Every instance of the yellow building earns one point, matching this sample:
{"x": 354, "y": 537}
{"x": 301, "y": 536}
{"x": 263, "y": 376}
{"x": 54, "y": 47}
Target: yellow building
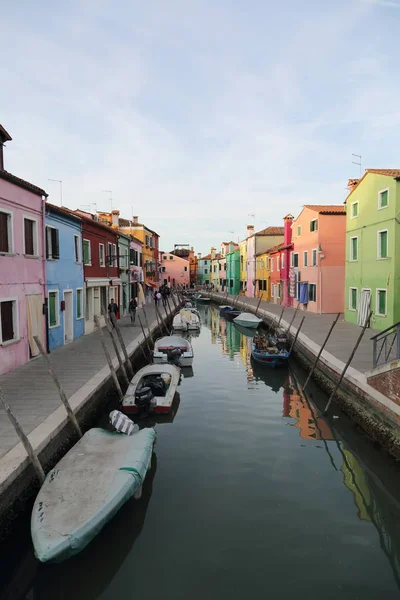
{"x": 243, "y": 266}
{"x": 262, "y": 289}
{"x": 215, "y": 270}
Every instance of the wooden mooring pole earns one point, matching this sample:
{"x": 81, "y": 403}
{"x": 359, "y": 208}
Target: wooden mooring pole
{"x": 112, "y": 333}
{"x": 293, "y": 318}
{"x": 259, "y": 300}
{"x": 321, "y": 350}
{"x": 144, "y": 334}
{"x": 58, "y": 385}
{"x": 297, "y": 334}
{"x": 280, "y": 318}
{"x": 348, "y": 363}
{"x": 108, "y": 356}
{"x": 123, "y": 345}
{"x": 24, "y": 439}
{"x": 147, "y": 323}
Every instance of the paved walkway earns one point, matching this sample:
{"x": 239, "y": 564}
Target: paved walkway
{"x": 316, "y": 327}
{"x": 31, "y": 392}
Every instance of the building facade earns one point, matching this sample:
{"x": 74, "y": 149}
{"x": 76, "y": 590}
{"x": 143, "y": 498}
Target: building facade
{"x": 203, "y": 269}
{"x": 233, "y": 271}
{"x": 175, "y": 271}
{"x": 22, "y": 267}
{"x": 135, "y": 263}
{"x": 124, "y": 242}
{"x": 257, "y": 243}
{"x": 215, "y": 269}
{"x": 318, "y": 258}
{"x": 372, "y": 274}
{"x": 262, "y": 276}
{"x": 243, "y": 266}
{"x": 64, "y": 277}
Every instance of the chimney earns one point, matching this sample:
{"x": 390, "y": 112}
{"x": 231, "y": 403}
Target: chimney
{"x": 114, "y": 217}
{"x": 4, "y": 137}
{"x": 250, "y": 230}
{"x": 351, "y": 184}
{"x": 135, "y": 220}
{"x": 199, "y": 255}
{"x": 287, "y": 229}
{"x": 212, "y": 253}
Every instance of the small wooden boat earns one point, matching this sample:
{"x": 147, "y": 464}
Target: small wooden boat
{"x": 270, "y": 357}
{"x": 86, "y": 489}
{"x": 230, "y": 315}
{"x": 175, "y": 349}
{"x": 247, "y": 320}
{"x": 187, "y": 319}
{"x": 225, "y": 309}
{"x": 152, "y": 389}
{"x": 246, "y": 331}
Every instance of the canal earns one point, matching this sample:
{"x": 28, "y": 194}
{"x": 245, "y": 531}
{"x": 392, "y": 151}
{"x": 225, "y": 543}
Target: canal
{"x": 252, "y": 494}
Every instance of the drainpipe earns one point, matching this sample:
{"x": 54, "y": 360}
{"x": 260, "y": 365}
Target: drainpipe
{"x": 45, "y": 300}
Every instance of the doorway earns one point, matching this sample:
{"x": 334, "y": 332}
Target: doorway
{"x": 68, "y": 317}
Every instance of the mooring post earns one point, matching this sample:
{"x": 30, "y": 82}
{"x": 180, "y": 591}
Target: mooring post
{"x": 236, "y": 300}
{"x": 297, "y": 334}
{"x": 147, "y": 323}
{"x": 348, "y": 362}
{"x": 173, "y": 300}
{"x": 123, "y": 345}
{"x": 108, "y": 356}
{"x": 58, "y": 385}
{"x": 111, "y": 331}
{"x": 293, "y": 318}
{"x": 321, "y": 350}
{"x": 144, "y": 334}
{"x": 169, "y": 307}
{"x": 280, "y": 318}
{"x": 259, "y": 300}
{"x": 162, "y": 322}
{"x": 24, "y": 439}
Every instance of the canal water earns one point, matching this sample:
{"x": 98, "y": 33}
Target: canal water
{"x": 252, "y": 494}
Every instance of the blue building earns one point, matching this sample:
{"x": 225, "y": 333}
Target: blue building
{"x": 64, "y": 277}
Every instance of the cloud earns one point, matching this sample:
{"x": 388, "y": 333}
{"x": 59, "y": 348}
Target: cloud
{"x": 385, "y": 3}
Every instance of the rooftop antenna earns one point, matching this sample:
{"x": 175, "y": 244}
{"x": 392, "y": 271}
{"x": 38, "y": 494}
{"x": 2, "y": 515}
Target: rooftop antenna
{"x": 61, "y": 189}
{"x": 89, "y": 206}
{"x": 357, "y": 162}
{"x": 109, "y": 192}
{"x": 253, "y": 216}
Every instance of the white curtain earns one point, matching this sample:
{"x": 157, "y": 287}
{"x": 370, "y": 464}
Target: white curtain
{"x": 34, "y": 308}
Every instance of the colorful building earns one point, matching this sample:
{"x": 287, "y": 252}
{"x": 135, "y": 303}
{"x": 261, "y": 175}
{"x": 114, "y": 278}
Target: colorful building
{"x": 64, "y": 277}
{"x": 22, "y": 267}
{"x": 243, "y": 266}
{"x": 135, "y": 264}
{"x": 256, "y": 243}
{"x": 233, "y": 271}
{"x": 372, "y": 274}
{"x": 215, "y": 270}
{"x": 203, "y": 269}
{"x": 262, "y": 276}
{"x": 193, "y": 266}
{"x": 318, "y": 258}
{"x": 175, "y": 271}
{"x": 279, "y": 267}
{"x": 124, "y": 242}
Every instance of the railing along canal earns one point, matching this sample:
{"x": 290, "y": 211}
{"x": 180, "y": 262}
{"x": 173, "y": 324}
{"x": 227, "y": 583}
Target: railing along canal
{"x": 386, "y": 345}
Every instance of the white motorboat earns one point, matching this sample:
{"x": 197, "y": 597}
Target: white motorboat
{"x": 187, "y": 319}
{"x": 174, "y": 349}
{"x": 152, "y": 389}
{"x": 247, "y": 320}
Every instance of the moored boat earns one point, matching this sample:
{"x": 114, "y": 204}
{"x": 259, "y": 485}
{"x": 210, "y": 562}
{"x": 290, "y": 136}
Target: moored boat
{"x": 247, "y": 320}
{"x": 187, "y": 319}
{"x": 230, "y": 315}
{"x": 86, "y": 489}
{"x": 173, "y": 349}
{"x": 270, "y": 356}
{"x": 202, "y": 299}
{"x": 152, "y": 389}
{"x": 246, "y": 331}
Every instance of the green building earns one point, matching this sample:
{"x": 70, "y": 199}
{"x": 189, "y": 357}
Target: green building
{"x": 124, "y": 271}
{"x": 233, "y": 271}
{"x": 373, "y": 248}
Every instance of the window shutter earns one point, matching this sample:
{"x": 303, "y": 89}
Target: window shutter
{"x": 4, "y": 241}
{"x": 384, "y": 244}
{"x": 55, "y": 250}
{"x": 47, "y": 241}
{"x": 28, "y": 230}
{"x": 7, "y": 325}
{"x": 52, "y": 310}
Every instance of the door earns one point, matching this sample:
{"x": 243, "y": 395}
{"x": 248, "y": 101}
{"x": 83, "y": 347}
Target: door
{"x": 364, "y": 307}
{"x": 68, "y": 316}
{"x": 34, "y": 308}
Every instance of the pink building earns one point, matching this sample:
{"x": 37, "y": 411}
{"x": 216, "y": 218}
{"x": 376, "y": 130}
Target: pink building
{"x": 259, "y": 242}
{"x": 279, "y": 264}
{"x": 174, "y": 270}
{"x": 318, "y": 258}
{"x": 22, "y": 267}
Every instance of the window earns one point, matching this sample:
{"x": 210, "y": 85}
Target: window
{"x": 282, "y": 261}
{"x": 52, "y": 243}
{"x": 109, "y": 254}
{"x": 354, "y": 210}
{"x": 383, "y": 243}
{"x": 164, "y": 257}
{"x": 87, "y": 255}
{"x": 298, "y": 230}
{"x": 147, "y": 240}
{"x": 205, "y": 271}
{"x": 115, "y": 256}
{"x": 79, "y": 303}
{"x": 185, "y": 268}
{"x": 381, "y": 301}
{"x": 353, "y": 298}
{"x": 205, "y": 262}
{"x": 314, "y": 225}
{"x": 30, "y": 237}
{"x": 354, "y": 249}
{"x": 77, "y": 248}
{"x": 163, "y": 269}
{"x": 8, "y": 320}
{"x": 312, "y": 292}
{"x": 6, "y": 241}
{"x": 278, "y": 263}
{"x": 172, "y": 258}
{"x": 383, "y": 199}
{"x": 295, "y": 260}
{"x": 314, "y": 258}
{"x": 121, "y": 255}
{"x": 272, "y": 265}
{"x": 151, "y": 242}
{"x": 54, "y": 316}
{"x": 102, "y": 260}
{"x": 305, "y": 258}
{"x": 291, "y": 259}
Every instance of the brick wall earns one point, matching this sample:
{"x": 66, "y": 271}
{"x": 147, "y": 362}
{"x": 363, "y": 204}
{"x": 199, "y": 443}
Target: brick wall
{"x": 387, "y": 383}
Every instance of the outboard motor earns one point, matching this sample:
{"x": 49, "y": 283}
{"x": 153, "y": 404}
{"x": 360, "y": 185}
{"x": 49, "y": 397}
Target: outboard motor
{"x": 174, "y": 356}
{"x": 156, "y": 384}
{"x": 143, "y": 400}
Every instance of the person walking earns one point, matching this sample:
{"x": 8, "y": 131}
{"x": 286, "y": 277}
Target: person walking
{"x": 156, "y": 298}
{"x": 112, "y": 310}
{"x": 132, "y": 309}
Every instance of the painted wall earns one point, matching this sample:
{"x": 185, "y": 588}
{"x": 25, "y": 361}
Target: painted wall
{"x": 64, "y": 274}
{"x": 262, "y": 274}
{"x": 215, "y": 273}
{"x": 251, "y": 266}
{"x": 369, "y": 271}
{"x": 124, "y": 273}
{"x": 204, "y": 268}
{"x": 21, "y": 276}
{"x": 243, "y": 265}
{"x": 150, "y": 250}
{"x": 174, "y": 269}
{"x": 136, "y": 274}
{"x": 233, "y": 271}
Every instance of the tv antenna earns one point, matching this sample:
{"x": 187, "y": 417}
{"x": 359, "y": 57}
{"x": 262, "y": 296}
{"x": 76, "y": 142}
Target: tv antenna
{"x": 358, "y": 163}
{"x": 109, "y": 192}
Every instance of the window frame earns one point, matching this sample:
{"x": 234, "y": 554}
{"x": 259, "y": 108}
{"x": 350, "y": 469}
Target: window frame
{"x": 315, "y": 228}
{"x": 49, "y": 243}
{"x": 305, "y": 258}
{"x": 282, "y": 261}
{"x": 291, "y": 259}
{"x": 16, "y": 337}
{"x": 102, "y": 263}
{"x": 380, "y": 207}
{"x": 299, "y": 230}
{"x": 314, "y": 252}
{"x": 353, "y": 216}
{"x": 378, "y": 314}
{"x": 278, "y": 263}
{"x": 309, "y": 295}
{"x": 351, "y": 257}
{"x": 10, "y": 229}
{"x": 350, "y": 306}
{"x": 35, "y": 236}
{"x": 88, "y": 264}
{"x": 57, "y": 304}
{"x": 115, "y": 256}
{"x": 379, "y": 247}
{"x": 83, "y": 304}
{"x": 272, "y": 264}
{"x": 77, "y": 248}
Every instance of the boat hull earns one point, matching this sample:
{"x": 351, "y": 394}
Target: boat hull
{"x": 184, "y": 361}
{"x": 247, "y": 324}
{"x": 272, "y": 361}
{"x": 163, "y": 403}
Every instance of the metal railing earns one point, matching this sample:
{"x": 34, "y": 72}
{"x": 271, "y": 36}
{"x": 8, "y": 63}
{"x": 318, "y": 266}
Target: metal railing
{"x": 386, "y": 345}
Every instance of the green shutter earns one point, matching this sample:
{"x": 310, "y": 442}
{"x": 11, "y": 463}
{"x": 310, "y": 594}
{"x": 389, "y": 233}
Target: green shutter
{"x": 354, "y": 299}
{"x": 79, "y": 303}
{"x": 383, "y": 244}
{"x": 384, "y": 199}
{"x": 86, "y": 254}
{"x": 354, "y": 249}
{"x": 52, "y": 309}
{"x": 382, "y": 302}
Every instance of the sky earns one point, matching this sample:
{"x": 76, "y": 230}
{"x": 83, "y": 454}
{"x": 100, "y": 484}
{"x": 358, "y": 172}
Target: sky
{"x": 200, "y": 116}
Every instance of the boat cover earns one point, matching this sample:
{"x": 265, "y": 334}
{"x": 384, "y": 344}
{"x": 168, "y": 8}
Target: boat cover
{"x": 85, "y": 490}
